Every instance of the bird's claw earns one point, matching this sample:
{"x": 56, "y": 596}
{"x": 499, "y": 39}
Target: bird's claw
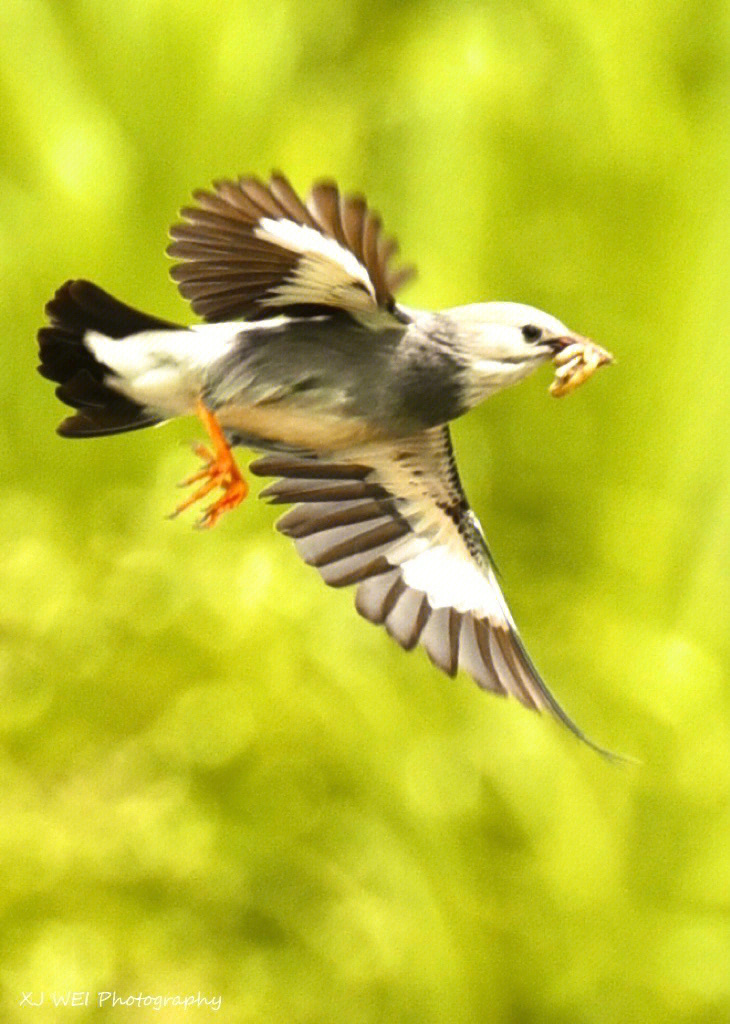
{"x": 219, "y": 470}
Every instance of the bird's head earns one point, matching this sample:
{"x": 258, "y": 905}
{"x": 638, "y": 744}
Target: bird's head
{"x": 502, "y": 342}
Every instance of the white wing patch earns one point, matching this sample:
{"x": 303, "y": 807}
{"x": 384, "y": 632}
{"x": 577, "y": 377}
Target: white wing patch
{"x": 327, "y": 272}
{"x": 448, "y": 581}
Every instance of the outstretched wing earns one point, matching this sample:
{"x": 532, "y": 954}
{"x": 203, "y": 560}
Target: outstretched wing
{"x": 253, "y": 250}
{"x": 393, "y": 518}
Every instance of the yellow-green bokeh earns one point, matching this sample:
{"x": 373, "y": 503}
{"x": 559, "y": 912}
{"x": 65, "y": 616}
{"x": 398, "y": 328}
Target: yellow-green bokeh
{"x": 214, "y": 776}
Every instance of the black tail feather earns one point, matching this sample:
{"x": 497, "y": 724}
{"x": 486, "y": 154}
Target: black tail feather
{"x": 78, "y": 307}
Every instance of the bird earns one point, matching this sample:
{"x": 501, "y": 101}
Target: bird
{"x": 345, "y": 395}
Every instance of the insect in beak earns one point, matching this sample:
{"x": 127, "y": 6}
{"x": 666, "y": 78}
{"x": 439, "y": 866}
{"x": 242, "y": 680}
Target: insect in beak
{"x": 576, "y": 359}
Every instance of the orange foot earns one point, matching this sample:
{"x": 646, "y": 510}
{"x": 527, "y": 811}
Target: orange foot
{"x": 220, "y": 470}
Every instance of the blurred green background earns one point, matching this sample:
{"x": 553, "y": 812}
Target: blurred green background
{"x": 215, "y": 776}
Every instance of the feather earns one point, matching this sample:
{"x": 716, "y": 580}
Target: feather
{"x": 328, "y": 252}
{"x": 392, "y": 518}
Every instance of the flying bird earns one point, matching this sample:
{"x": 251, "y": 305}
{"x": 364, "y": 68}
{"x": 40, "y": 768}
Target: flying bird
{"x": 305, "y": 356}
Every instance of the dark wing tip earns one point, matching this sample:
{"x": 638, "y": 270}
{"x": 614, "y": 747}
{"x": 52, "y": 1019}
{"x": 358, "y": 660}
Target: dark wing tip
{"x": 549, "y": 703}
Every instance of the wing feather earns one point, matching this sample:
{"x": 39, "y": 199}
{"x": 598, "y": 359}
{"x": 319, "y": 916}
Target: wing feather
{"x": 392, "y": 518}
{"x": 407, "y": 618}
{"x": 289, "y": 201}
{"x": 353, "y": 211}
{"x": 324, "y": 205}
{"x": 375, "y": 598}
{"x": 249, "y": 249}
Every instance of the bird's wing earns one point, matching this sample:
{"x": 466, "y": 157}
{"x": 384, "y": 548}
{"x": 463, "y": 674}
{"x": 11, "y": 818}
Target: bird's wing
{"x": 250, "y": 249}
{"x": 393, "y": 519}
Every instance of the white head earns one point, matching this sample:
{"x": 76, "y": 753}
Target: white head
{"x": 503, "y": 342}
{"x": 511, "y": 329}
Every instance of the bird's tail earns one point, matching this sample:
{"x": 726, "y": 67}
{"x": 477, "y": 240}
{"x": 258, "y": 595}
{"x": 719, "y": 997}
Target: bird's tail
{"x": 77, "y": 308}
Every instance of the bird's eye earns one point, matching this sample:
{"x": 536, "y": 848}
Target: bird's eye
{"x": 531, "y": 333}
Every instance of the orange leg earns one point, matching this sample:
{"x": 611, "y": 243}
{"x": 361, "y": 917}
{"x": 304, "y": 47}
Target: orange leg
{"x": 220, "y": 470}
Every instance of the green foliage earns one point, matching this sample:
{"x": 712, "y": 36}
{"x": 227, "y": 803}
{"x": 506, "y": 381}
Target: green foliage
{"x": 214, "y": 776}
